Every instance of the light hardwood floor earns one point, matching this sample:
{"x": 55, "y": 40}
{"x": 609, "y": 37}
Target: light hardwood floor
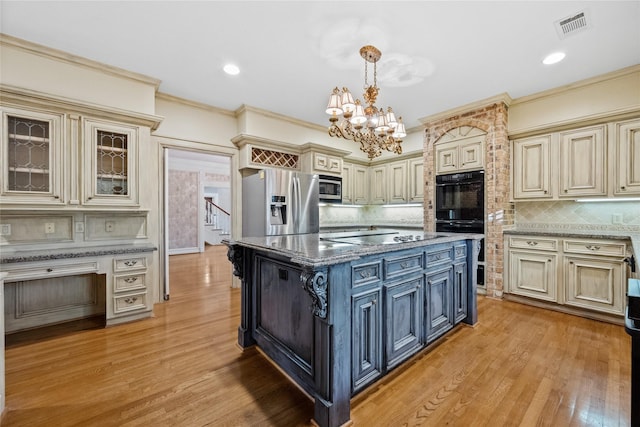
{"x": 520, "y": 366}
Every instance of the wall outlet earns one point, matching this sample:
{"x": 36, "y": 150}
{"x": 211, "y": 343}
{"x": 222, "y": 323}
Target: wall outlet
{"x": 5, "y": 229}
{"x": 616, "y": 218}
{"x": 49, "y": 228}
{"x": 109, "y": 226}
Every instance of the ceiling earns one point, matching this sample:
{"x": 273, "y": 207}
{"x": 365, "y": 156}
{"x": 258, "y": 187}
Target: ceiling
{"x": 436, "y": 55}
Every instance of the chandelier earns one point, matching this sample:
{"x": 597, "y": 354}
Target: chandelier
{"x": 374, "y": 128}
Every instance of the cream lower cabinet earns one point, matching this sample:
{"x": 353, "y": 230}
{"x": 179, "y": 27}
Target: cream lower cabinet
{"x": 533, "y": 267}
{"x": 580, "y": 273}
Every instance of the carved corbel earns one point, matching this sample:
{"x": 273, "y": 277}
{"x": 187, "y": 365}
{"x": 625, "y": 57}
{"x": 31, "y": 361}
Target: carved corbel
{"x": 234, "y": 254}
{"x": 315, "y": 283}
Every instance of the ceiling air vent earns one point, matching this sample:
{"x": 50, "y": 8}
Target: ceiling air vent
{"x": 572, "y": 24}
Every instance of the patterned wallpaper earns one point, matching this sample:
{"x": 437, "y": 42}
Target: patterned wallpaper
{"x": 618, "y": 216}
{"x": 183, "y": 209}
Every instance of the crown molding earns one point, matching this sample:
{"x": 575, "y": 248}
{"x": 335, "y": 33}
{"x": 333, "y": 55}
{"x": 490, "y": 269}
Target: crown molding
{"x": 270, "y": 114}
{"x": 581, "y": 83}
{"x": 21, "y": 97}
{"x": 503, "y": 98}
{"x": 61, "y": 56}
{"x": 195, "y": 104}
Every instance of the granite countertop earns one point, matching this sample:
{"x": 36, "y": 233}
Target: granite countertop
{"x": 10, "y": 255}
{"x": 320, "y": 249}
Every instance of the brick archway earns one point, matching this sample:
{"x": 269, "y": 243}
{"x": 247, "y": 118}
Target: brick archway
{"x": 499, "y": 212}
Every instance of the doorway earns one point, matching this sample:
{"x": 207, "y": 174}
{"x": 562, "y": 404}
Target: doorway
{"x": 197, "y": 202}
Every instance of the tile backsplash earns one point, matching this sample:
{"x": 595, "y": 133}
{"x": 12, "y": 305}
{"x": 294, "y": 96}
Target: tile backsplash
{"x": 401, "y": 215}
{"x": 619, "y": 216}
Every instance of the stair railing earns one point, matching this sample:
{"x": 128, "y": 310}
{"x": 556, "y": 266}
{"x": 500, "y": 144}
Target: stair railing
{"x": 216, "y": 216}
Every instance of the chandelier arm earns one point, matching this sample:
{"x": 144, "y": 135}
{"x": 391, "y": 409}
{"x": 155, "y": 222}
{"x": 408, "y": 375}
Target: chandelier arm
{"x": 371, "y": 142}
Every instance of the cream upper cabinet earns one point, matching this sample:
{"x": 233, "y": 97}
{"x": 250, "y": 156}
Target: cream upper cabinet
{"x": 33, "y": 159}
{"x": 378, "y": 185}
{"x": 355, "y": 186}
{"x": 582, "y": 162}
{"x": 459, "y": 155}
{"x": 61, "y": 160}
{"x": 327, "y": 163}
{"x": 347, "y": 183}
{"x": 627, "y": 158}
{"x": 110, "y": 161}
{"x": 360, "y": 187}
{"x": 397, "y": 189}
{"x": 532, "y": 168}
{"x": 416, "y": 180}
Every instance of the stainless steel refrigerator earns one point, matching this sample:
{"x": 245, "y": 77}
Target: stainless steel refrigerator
{"x": 278, "y": 202}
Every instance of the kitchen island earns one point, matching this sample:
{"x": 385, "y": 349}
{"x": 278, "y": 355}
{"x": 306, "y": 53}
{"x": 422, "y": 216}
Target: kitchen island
{"x": 338, "y": 311}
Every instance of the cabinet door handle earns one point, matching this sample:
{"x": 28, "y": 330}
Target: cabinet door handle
{"x": 374, "y": 302}
{"x": 404, "y": 264}
{"x": 566, "y": 191}
{"x": 49, "y": 270}
{"x": 365, "y": 274}
{"x": 131, "y": 300}
{"x": 592, "y": 247}
{"x": 131, "y": 279}
{"x": 531, "y": 243}
{"x": 130, "y": 262}
{"x": 623, "y": 188}
{"x": 545, "y": 191}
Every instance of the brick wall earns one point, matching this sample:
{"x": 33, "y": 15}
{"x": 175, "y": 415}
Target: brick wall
{"x": 499, "y": 212}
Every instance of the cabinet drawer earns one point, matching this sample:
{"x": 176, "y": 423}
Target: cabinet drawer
{"x": 365, "y": 274}
{"x": 42, "y": 271}
{"x": 130, "y": 302}
{"x": 437, "y": 257}
{"x": 395, "y": 267}
{"x": 129, "y": 282}
{"x": 539, "y": 243}
{"x": 129, "y": 264}
{"x": 596, "y": 247}
{"x": 460, "y": 251}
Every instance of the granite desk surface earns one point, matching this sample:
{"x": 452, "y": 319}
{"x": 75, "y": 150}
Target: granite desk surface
{"x": 321, "y": 249}
{"x": 10, "y": 255}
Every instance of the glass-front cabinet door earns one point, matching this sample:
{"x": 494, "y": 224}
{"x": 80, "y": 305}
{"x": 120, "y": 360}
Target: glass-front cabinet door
{"x": 110, "y": 158}
{"x": 32, "y": 157}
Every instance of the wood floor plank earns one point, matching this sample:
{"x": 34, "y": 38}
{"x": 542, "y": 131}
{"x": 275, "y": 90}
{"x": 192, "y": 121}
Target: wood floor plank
{"x": 518, "y": 366}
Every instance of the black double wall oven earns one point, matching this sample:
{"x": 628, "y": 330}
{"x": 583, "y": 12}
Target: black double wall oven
{"x": 460, "y": 207}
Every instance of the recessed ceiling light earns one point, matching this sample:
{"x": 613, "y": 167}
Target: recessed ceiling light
{"x": 553, "y": 58}
{"x": 231, "y": 69}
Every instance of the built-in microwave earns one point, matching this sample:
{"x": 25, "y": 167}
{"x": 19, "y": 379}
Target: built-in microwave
{"x": 330, "y": 189}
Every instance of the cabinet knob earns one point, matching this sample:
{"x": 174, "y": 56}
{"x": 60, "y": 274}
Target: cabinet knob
{"x": 623, "y": 188}
{"x": 374, "y": 302}
{"x": 531, "y": 243}
{"x": 49, "y": 270}
{"x": 545, "y": 191}
{"x": 566, "y": 191}
{"x": 592, "y": 247}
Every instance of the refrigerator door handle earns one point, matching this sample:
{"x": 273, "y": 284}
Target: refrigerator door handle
{"x": 295, "y": 204}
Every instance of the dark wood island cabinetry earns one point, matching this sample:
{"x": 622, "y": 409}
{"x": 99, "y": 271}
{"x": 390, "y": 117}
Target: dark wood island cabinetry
{"x": 337, "y": 315}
